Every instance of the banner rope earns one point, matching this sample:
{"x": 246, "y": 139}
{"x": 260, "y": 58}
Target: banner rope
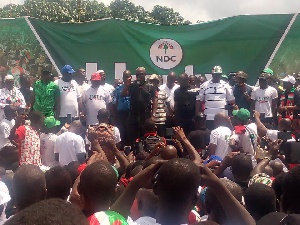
{"x": 281, "y": 40}
{"x": 42, "y": 45}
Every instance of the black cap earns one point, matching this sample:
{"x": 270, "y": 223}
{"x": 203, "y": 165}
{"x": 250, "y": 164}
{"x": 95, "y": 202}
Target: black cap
{"x": 47, "y": 69}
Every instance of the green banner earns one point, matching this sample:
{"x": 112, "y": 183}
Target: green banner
{"x": 287, "y": 58}
{"x": 236, "y": 43}
{"x": 20, "y": 52}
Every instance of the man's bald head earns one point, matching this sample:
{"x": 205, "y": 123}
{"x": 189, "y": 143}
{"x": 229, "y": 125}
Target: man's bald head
{"x": 277, "y": 167}
{"x": 126, "y": 73}
{"x": 171, "y": 78}
{"x": 285, "y": 124}
{"x": 29, "y": 186}
{"x": 221, "y": 119}
{"x": 76, "y": 127}
{"x": 140, "y": 73}
{"x": 169, "y": 152}
{"x": 183, "y": 80}
{"x": 172, "y": 73}
{"x": 140, "y": 70}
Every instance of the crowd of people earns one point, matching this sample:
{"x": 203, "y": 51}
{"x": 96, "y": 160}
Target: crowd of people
{"x": 188, "y": 151}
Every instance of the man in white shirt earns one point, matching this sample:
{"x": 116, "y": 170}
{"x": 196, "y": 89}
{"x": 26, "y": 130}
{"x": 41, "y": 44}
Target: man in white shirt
{"x": 70, "y": 146}
{"x": 106, "y": 86}
{"x": 10, "y": 95}
{"x": 245, "y": 134}
{"x": 284, "y": 125}
{"x": 6, "y": 125}
{"x": 95, "y": 98}
{"x": 70, "y": 98}
{"x": 80, "y": 78}
{"x": 215, "y": 94}
{"x": 219, "y": 137}
{"x": 169, "y": 89}
{"x": 264, "y": 99}
{"x": 48, "y": 139}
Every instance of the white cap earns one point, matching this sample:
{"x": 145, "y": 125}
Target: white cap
{"x": 100, "y": 71}
{"x": 290, "y": 79}
{"x": 217, "y": 69}
{"x": 4, "y": 193}
{"x": 154, "y": 77}
{"x": 9, "y": 77}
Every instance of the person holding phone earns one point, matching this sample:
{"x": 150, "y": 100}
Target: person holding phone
{"x": 242, "y": 91}
{"x": 143, "y": 104}
{"x": 122, "y": 105}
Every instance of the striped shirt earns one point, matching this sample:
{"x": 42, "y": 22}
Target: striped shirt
{"x": 160, "y": 115}
{"x": 215, "y": 96}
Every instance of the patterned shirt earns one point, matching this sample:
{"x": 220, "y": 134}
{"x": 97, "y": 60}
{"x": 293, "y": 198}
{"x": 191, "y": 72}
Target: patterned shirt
{"x": 45, "y": 95}
{"x": 29, "y": 146}
{"x": 215, "y": 96}
{"x": 160, "y": 115}
{"x": 13, "y": 97}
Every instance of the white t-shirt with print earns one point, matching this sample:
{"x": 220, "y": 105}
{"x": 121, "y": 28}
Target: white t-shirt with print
{"x": 68, "y": 145}
{"x": 5, "y": 128}
{"x": 273, "y": 135}
{"x": 215, "y": 96}
{"x": 82, "y": 88}
{"x": 95, "y": 99}
{"x": 247, "y": 141}
{"x": 170, "y": 94}
{"x": 263, "y": 99}
{"x": 69, "y": 94}
{"x": 220, "y": 137}
{"x": 47, "y": 149}
{"x": 108, "y": 87}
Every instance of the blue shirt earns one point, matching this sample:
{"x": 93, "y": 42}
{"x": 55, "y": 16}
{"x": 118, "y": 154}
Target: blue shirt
{"x": 123, "y": 102}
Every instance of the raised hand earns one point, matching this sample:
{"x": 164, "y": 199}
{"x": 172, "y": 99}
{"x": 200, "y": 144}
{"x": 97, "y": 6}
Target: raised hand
{"x": 179, "y": 133}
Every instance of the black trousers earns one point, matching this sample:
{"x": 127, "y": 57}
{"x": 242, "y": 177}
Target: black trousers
{"x": 135, "y": 124}
{"x": 186, "y": 124}
{"x": 121, "y": 121}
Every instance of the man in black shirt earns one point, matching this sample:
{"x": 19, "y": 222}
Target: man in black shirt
{"x": 185, "y": 104}
{"x": 242, "y": 91}
{"x": 143, "y": 103}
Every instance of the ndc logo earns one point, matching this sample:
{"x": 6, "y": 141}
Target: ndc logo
{"x": 166, "y": 53}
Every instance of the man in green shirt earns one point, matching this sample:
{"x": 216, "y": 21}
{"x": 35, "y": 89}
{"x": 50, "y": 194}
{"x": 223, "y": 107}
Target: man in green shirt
{"x": 46, "y": 95}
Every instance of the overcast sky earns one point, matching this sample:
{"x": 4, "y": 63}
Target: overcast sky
{"x": 206, "y": 10}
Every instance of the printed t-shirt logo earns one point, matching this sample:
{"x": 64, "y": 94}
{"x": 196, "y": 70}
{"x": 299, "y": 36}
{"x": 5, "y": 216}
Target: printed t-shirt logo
{"x": 68, "y": 88}
{"x": 166, "y": 53}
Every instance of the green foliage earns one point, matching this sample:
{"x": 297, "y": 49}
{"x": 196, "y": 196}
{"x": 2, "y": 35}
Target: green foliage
{"x": 166, "y": 16}
{"x": 87, "y": 10}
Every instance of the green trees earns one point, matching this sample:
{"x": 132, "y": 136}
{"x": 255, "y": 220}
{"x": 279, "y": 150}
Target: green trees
{"x": 88, "y": 10}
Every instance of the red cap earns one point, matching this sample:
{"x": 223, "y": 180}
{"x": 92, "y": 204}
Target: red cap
{"x": 96, "y": 76}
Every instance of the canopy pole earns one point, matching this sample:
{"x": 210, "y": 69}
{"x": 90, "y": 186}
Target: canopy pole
{"x": 281, "y": 40}
{"x": 42, "y": 44}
